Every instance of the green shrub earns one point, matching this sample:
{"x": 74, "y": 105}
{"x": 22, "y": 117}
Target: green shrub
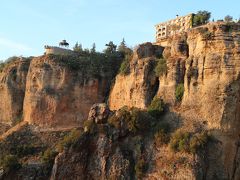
{"x": 201, "y": 17}
{"x": 10, "y": 163}
{"x": 156, "y": 108}
{"x": 185, "y": 142}
{"x": 68, "y": 140}
{"x": 117, "y": 119}
{"x": 48, "y": 156}
{"x": 89, "y": 126}
{"x": 125, "y": 66}
{"x": 161, "y": 68}
{"x": 23, "y": 150}
{"x": 179, "y": 92}
{"x": 134, "y": 119}
{"x": 180, "y": 141}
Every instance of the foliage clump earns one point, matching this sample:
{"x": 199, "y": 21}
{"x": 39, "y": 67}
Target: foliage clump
{"x": 228, "y": 18}
{"x": 10, "y": 163}
{"x": 10, "y": 60}
{"x": 127, "y": 53}
{"x": 185, "y": 142}
{"x": 156, "y": 108}
{"x": 134, "y": 119}
{"x": 179, "y": 92}
{"x": 70, "y": 139}
{"x": 202, "y": 17}
{"x": 161, "y": 68}
{"x": 48, "y": 158}
{"x": 125, "y": 66}
{"x": 89, "y": 126}
{"x": 23, "y": 150}
{"x": 180, "y": 141}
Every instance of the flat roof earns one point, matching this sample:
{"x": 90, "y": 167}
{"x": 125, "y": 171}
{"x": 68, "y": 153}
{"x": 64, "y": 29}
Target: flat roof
{"x": 174, "y": 19}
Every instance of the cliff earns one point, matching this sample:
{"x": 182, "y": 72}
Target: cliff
{"x": 60, "y": 92}
{"x": 12, "y": 90}
{"x": 173, "y": 115}
{"x": 206, "y": 61}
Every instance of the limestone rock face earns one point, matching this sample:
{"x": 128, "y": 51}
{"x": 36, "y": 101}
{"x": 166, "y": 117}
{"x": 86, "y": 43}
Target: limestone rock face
{"x": 12, "y": 90}
{"x": 206, "y": 60}
{"x": 138, "y": 87}
{"x": 99, "y": 113}
{"x": 58, "y": 96}
{"x": 94, "y": 158}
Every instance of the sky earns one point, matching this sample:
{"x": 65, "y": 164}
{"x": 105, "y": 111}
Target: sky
{"x": 27, "y": 25}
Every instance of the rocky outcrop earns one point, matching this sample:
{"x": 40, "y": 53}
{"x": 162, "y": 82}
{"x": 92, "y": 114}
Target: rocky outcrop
{"x": 138, "y": 87}
{"x": 206, "y": 61}
{"x": 96, "y": 155}
{"x": 60, "y": 92}
{"x": 12, "y": 90}
{"x": 99, "y": 113}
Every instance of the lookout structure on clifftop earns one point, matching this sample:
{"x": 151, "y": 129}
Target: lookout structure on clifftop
{"x": 174, "y": 26}
{"x": 59, "y": 50}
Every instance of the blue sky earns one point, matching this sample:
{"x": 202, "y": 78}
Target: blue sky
{"x": 27, "y": 25}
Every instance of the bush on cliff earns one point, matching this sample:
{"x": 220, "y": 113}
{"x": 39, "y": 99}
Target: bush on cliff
{"x": 180, "y": 141}
{"x": 69, "y": 140}
{"x": 156, "y": 108}
{"x": 186, "y": 142}
{"x": 48, "y": 158}
{"x": 90, "y": 65}
{"x": 22, "y": 150}
{"x": 10, "y": 163}
{"x": 179, "y": 92}
{"x": 89, "y": 126}
{"x": 202, "y": 17}
{"x": 125, "y": 66}
{"x": 134, "y": 120}
{"x": 161, "y": 68}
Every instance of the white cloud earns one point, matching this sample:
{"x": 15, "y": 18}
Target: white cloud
{"x": 7, "y": 43}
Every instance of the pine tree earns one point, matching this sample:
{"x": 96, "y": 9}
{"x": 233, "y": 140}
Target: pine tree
{"x": 122, "y": 47}
{"x": 93, "y": 49}
{"x": 111, "y": 48}
{"x": 77, "y": 47}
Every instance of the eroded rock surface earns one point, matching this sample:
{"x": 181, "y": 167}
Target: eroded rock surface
{"x": 60, "y": 96}
{"x": 12, "y": 90}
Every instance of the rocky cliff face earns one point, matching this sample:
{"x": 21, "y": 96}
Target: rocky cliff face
{"x": 138, "y": 87}
{"x": 206, "y": 61}
{"x": 59, "y": 94}
{"x": 12, "y": 90}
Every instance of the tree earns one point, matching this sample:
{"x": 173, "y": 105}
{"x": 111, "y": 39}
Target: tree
{"x": 77, "y": 47}
{"x": 228, "y": 18}
{"x": 202, "y": 17}
{"x": 93, "y": 49}
{"x": 122, "y": 48}
{"x": 111, "y": 48}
